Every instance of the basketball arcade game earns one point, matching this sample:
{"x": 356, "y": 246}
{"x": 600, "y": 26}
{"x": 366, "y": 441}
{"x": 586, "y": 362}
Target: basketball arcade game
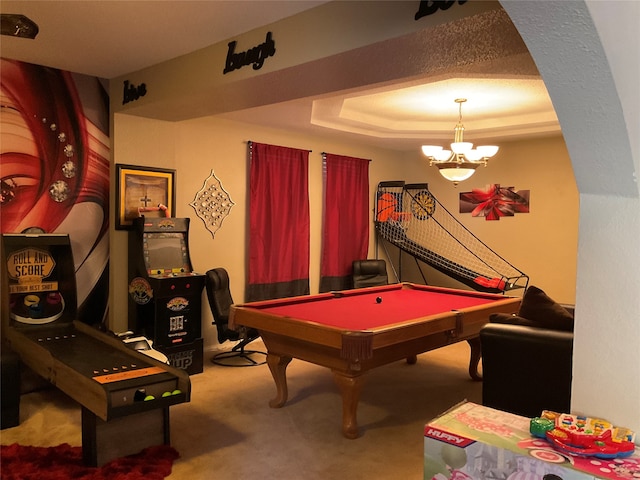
{"x": 165, "y": 303}
{"x": 125, "y": 396}
{"x": 409, "y": 217}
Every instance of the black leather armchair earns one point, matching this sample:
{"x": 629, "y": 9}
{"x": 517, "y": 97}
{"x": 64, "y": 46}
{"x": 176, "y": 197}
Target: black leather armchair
{"x": 526, "y": 362}
{"x": 369, "y": 273}
{"x": 220, "y": 301}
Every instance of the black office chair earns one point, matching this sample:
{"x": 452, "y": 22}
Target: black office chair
{"x": 369, "y": 273}
{"x": 220, "y": 301}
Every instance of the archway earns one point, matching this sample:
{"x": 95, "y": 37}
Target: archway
{"x": 573, "y": 62}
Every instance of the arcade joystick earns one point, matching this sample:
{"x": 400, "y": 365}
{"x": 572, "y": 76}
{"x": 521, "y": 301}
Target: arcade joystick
{"x": 378, "y": 299}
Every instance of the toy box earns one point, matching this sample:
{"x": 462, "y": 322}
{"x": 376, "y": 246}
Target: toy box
{"x": 471, "y": 441}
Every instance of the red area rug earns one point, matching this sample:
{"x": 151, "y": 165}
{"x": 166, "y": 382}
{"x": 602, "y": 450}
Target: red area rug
{"x": 64, "y": 462}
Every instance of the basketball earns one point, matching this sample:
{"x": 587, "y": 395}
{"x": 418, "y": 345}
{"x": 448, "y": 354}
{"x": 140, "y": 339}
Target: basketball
{"x": 387, "y": 203}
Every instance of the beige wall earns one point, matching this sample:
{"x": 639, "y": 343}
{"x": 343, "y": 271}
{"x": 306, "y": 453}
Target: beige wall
{"x": 196, "y": 147}
{"x": 542, "y": 243}
{"x": 136, "y": 141}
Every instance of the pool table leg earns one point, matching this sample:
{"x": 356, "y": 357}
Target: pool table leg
{"x": 278, "y": 366}
{"x": 474, "y": 359}
{"x": 350, "y": 388}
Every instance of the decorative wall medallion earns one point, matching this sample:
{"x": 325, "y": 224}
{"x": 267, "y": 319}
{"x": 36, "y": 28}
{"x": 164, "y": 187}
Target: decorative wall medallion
{"x": 212, "y": 204}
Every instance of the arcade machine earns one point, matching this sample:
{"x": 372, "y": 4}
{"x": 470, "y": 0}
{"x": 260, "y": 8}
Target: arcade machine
{"x": 165, "y": 294}
{"x": 125, "y": 396}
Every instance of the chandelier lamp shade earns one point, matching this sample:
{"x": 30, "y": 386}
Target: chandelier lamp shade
{"x": 461, "y": 161}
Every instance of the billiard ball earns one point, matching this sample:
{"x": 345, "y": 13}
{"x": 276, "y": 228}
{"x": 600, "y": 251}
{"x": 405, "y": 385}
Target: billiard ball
{"x": 378, "y": 299}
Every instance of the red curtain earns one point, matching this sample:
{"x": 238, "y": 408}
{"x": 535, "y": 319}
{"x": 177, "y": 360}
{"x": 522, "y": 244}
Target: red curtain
{"x": 279, "y": 222}
{"x": 346, "y": 219}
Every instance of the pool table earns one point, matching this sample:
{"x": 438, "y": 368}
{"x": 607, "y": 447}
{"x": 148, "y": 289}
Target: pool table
{"x": 353, "y": 331}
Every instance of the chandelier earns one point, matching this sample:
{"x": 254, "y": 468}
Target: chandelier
{"x": 461, "y": 161}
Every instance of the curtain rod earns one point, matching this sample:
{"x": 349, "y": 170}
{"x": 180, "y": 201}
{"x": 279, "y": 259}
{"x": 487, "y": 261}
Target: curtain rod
{"x": 325, "y": 153}
{"x": 249, "y": 142}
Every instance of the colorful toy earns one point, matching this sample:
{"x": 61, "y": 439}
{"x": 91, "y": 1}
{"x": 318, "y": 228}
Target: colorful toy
{"x": 583, "y": 436}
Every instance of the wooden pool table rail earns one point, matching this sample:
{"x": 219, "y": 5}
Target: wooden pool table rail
{"x": 350, "y": 354}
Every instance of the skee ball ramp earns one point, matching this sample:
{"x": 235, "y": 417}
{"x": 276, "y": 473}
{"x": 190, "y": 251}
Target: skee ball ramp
{"x": 409, "y": 217}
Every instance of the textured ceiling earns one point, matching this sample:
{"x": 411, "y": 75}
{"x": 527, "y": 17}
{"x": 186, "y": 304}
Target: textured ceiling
{"x": 109, "y": 38}
{"x": 402, "y": 101}
{"x": 397, "y": 102}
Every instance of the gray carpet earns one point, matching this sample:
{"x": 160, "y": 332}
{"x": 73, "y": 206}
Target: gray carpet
{"x": 228, "y": 431}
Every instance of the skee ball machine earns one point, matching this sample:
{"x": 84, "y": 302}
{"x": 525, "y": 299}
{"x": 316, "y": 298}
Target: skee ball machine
{"x": 125, "y": 396}
{"x": 165, "y": 294}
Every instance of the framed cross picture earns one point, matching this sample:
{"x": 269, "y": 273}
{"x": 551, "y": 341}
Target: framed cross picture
{"x": 143, "y": 190}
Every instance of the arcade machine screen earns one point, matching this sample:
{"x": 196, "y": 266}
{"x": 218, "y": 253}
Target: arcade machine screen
{"x": 165, "y": 253}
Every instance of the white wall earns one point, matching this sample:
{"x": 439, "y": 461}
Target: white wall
{"x": 593, "y": 82}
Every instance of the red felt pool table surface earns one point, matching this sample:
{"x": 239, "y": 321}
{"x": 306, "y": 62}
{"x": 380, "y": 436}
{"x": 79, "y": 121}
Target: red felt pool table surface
{"x": 359, "y": 309}
{"x": 350, "y": 332}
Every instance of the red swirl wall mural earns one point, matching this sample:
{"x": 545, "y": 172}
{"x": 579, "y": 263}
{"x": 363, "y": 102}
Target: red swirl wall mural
{"x": 54, "y": 168}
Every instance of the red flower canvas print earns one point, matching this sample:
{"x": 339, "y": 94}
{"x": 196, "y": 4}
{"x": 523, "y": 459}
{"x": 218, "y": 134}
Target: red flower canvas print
{"x": 494, "y": 202}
